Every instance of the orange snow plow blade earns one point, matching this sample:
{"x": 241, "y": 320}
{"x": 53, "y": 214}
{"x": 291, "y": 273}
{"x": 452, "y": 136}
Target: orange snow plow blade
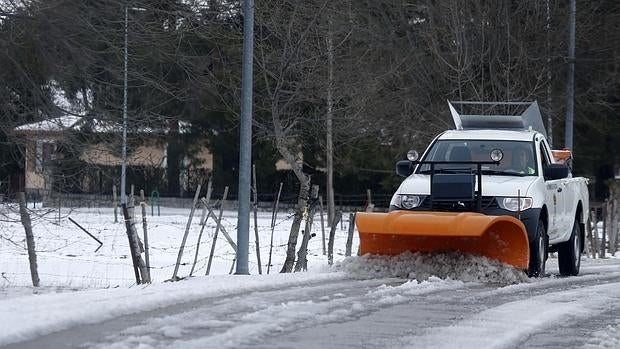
{"x": 503, "y": 238}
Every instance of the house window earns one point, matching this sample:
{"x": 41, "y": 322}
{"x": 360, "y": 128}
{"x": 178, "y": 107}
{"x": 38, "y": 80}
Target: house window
{"x": 44, "y": 154}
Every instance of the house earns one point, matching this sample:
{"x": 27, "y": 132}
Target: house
{"x": 81, "y": 154}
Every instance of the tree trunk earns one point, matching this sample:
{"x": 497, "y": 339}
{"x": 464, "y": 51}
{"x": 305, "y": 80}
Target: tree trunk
{"x": 304, "y": 189}
{"x": 613, "y": 218}
{"x": 173, "y": 154}
{"x": 332, "y": 236}
{"x": 329, "y": 127}
{"x": 308, "y": 217}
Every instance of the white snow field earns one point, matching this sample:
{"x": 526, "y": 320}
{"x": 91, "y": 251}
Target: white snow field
{"x": 94, "y": 291}
{"x": 67, "y": 259}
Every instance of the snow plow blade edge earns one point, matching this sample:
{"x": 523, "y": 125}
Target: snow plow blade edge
{"x": 502, "y": 238}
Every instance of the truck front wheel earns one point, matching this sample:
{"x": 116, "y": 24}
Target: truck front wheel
{"x": 569, "y": 256}
{"x": 538, "y": 252}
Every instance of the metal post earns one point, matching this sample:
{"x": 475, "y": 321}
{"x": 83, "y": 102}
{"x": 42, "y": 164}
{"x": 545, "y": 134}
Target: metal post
{"x": 124, "y": 151}
{"x": 549, "y": 109}
{"x": 570, "y": 81}
{"x": 479, "y": 194}
{"x": 245, "y": 161}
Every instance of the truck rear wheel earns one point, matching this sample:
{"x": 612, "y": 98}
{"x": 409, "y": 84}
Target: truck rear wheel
{"x": 569, "y": 256}
{"x": 538, "y": 252}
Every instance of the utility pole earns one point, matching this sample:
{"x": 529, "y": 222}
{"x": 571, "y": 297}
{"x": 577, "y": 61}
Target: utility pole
{"x": 570, "y": 81}
{"x": 124, "y": 151}
{"x": 245, "y": 147}
{"x": 549, "y": 108}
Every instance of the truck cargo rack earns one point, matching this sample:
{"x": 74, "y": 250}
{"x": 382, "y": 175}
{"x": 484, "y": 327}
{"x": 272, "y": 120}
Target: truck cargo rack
{"x": 497, "y": 115}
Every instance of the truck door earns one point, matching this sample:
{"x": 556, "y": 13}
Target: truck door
{"x": 554, "y": 197}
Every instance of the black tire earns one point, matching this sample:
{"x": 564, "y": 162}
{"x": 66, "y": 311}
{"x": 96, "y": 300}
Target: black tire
{"x": 538, "y": 252}
{"x": 569, "y": 252}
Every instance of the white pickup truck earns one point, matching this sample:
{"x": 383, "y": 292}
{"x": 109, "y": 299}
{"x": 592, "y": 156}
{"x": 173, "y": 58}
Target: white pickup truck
{"x": 528, "y": 182}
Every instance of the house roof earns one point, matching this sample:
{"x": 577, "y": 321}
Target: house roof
{"x": 56, "y": 124}
{"x": 78, "y": 123}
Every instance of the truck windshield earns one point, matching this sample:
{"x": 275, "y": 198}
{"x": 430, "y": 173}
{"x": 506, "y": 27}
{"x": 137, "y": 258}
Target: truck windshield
{"x": 518, "y": 157}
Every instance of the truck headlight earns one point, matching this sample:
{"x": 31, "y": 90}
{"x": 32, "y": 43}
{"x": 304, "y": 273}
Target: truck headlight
{"x": 515, "y": 204}
{"x": 408, "y": 201}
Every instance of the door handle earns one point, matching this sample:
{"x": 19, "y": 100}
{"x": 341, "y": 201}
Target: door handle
{"x": 559, "y": 190}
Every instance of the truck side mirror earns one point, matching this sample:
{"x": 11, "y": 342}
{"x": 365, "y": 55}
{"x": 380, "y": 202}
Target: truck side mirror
{"x": 556, "y": 171}
{"x": 404, "y": 168}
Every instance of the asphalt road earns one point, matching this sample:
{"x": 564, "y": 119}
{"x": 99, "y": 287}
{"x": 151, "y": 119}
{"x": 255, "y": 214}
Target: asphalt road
{"x": 551, "y": 312}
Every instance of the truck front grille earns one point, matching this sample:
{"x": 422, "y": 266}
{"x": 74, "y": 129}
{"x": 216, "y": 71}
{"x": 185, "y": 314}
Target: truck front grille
{"x": 488, "y": 202}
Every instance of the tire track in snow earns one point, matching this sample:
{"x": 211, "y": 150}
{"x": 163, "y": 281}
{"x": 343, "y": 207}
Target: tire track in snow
{"x": 240, "y": 321}
{"x": 71, "y": 336}
{"x": 509, "y": 325}
{"x": 423, "y": 312}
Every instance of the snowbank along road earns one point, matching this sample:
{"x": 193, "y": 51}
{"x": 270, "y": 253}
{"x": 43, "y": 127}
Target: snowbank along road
{"x": 410, "y": 301}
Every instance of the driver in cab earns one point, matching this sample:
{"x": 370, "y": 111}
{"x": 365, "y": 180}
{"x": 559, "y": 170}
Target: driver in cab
{"x": 520, "y": 162}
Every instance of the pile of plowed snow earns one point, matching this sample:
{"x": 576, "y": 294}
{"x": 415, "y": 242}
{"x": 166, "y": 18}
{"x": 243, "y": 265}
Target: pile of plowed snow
{"x": 420, "y": 266}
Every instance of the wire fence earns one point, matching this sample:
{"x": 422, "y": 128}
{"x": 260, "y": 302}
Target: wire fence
{"x": 46, "y": 198}
{"x": 67, "y": 258}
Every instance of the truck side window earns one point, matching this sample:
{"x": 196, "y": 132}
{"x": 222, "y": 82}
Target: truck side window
{"x": 544, "y": 156}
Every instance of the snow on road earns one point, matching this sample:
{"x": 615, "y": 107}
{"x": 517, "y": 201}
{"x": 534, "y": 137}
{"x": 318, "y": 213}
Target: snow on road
{"x": 516, "y": 320}
{"x": 30, "y": 316}
{"x": 608, "y": 337}
{"x": 53, "y": 312}
{"x": 245, "y": 311}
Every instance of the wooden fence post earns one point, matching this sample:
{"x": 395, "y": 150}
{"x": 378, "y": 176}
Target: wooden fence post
{"x": 255, "y": 206}
{"x": 132, "y": 200}
{"x": 59, "y": 206}
{"x": 221, "y": 227}
{"x": 616, "y": 215}
{"x": 595, "y": 226}
{"x": 274, "y": 216}
{"x": 217, "y": 228}
{"x": 203, "y": 217}
{"x": 146, "y": 239}
{"x": 231, "y": 242}
{"x": 604, "y": 239}
{"x": 350, "y": 234}
{"x": 613, "y": 218}
{"x": 132, "y": 237}
{"x": 205, "y": 204}
{"x": 189, "y": 223}
{"x": 115, "y": 204}
{"x": 32, "y": 256}
{"x": 591, "y": 233}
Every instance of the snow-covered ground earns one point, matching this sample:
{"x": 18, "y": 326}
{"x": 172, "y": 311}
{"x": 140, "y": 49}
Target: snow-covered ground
{"x": 80, "y": 286}
{"x": 67, "y": 258}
